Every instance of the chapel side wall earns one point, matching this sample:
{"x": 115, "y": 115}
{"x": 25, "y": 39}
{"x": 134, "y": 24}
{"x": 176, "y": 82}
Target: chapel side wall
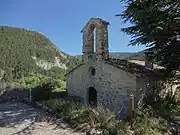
{"x": 114, "y": 86}
{"x": 148, "y": 84}
{"x": 77, "y": 82}
{"x": 142, "y": 83}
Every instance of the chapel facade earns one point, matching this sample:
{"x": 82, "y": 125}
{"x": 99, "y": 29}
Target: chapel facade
{"x": 101, "y": 80}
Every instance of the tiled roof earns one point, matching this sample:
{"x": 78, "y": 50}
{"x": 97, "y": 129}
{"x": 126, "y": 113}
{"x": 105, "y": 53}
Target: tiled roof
{"x": 133, "y": 68}
{"x": 129, "y": 67}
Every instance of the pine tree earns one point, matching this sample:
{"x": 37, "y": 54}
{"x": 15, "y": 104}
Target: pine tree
{"x": 155, "y": 23}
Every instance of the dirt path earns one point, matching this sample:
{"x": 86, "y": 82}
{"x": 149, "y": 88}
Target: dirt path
{"x": 22, "y": 119}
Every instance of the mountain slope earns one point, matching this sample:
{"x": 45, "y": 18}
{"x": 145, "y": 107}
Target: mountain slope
{"x": 124, "y": 55}
{"x": 23, "y": 51}
{"x": 127, "y": 55}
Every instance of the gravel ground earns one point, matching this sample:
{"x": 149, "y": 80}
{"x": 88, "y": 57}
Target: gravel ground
{"x": 22, "y": 119}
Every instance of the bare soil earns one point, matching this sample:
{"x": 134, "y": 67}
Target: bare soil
{"x": 23, "y": 119}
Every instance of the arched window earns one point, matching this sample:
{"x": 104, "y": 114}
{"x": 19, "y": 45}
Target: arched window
{"x": 92, "y": 71}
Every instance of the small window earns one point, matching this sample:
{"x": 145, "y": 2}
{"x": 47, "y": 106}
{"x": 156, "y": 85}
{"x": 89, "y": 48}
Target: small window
{"x": 93, "y": 71}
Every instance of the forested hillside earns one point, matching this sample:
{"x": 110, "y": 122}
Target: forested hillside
{"x": 23, "y": 52}
{"x": 128, "y": 55}
{"x": 124, "y": 55}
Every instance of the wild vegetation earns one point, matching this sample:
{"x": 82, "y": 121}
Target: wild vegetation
{"x": 124, "y": 55}
{"x": 155, "y": 23}
{"x": 18, "y": 48}
{"x": 156, "y": 119}
{"x": 155, "y": 116}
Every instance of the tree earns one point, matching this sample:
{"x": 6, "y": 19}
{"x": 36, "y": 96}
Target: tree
{"x": 155, "y": 23}
{"x": 7, "y": 77}
{"x": 18, "y": 47}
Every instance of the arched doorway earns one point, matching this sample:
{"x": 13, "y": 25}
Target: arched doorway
{"x": 92, "y": 96}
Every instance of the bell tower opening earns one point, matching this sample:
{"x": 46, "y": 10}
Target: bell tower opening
{"x": 94, "y": 46}
{"x": 93, "y": 37}
{"x": 95, "y": 40}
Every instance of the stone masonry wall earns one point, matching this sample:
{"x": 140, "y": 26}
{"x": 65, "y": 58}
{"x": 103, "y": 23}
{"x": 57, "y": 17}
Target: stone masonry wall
{"x": 101, "y": 45}
{"x": 16, "y": 94}
{"x": 113, "y": 85}
{"x": 78, "y": 81}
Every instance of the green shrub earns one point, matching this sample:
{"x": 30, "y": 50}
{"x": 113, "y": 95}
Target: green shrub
{"x": 103, "y": 119}
{"x": 43, "y": 91}
{"x": 146, "y": 122}
{"x": 173, "y": 108}
{"x": 98, "y": 118}
{"x": 69, "y": 111}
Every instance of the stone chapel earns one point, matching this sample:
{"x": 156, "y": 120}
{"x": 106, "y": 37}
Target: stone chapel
{"x": 101, "y": 80}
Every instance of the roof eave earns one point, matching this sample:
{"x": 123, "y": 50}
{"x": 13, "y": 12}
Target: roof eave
{"x": 74, "y": 69}
{"x": 107, "y": 23}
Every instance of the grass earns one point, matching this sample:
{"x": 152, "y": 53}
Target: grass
{"x": 167, "y": 110}
{"x": 152, "y": 119}
{"x": 99, "y": 118}
{"x": 149, "y": 120}
{"x": 157, "y": 118}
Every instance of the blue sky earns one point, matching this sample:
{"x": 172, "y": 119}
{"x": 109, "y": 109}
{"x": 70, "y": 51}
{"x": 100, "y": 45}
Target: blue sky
{"x": 62, "y": 20}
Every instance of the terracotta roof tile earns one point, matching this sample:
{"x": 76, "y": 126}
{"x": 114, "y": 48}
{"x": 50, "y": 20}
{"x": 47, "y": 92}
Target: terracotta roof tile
{"x": 130, "y": 67}
{"x": 127, "y": 66}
